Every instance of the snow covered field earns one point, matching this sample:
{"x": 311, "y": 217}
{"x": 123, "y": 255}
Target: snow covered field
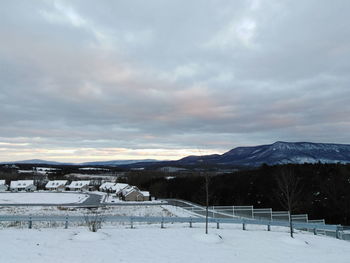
{"x": 175, "y": 243}
{"x": 132, "y": 210}
{"x": 41, "y": 198}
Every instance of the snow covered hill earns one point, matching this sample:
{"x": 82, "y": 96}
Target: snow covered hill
{"x": 277, "y": 153}
{"x": 175, "y": 243}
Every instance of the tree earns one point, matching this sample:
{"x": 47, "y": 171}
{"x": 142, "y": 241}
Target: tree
{"x": 206, "y": 188}
{"x": 289, "y": 192}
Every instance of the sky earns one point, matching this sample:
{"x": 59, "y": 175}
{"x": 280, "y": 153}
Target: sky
{"x": 86, "y": 80}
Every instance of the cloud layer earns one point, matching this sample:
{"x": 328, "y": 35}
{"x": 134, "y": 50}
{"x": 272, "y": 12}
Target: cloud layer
{"x": 82, "y": 80}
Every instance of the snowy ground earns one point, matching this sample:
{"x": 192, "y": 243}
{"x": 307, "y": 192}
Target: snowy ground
{"x": 42, "y": 198}
{"x": 132, "y": 210}
{"x": 175, "y": 243}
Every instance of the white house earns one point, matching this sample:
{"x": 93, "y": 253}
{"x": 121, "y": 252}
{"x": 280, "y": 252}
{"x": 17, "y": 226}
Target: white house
{"x": 56, "y": 185}
{"x": 3, "y": 186}
{"x": 22, "y": 185}
{"x": 79, "y": 186}
{"x": 146, "y": 195}
{"x": 113, "y": 187}
{"x": 132, "y": 193}
{"x": 119, "y": 187}
{"x": 107, "y": 186}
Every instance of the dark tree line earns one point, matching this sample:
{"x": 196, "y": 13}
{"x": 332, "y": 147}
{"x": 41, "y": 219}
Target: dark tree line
{"x": 323, "y": 189}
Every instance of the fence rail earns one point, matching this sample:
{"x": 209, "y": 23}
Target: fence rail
{"x": 264, "y": 215}
{"x": 162, "y": 220}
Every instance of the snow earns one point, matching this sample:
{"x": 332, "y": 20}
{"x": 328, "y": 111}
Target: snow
{"x": 175, "y": 243}
{"x": 41, "y": 198}
{"x": 21, "y": 183}
{"x": 56, "y": 183}
{"x": 78, "y": 184}
{"x": 125, "y": 210}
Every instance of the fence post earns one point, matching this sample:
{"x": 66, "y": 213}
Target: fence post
{"x": 191, "y": 223}
{"x": 162, "y": 223}
{"x": 217, "y": 225}
{"x": 30, "y": 223}
{"x": 131, "y": 223}
{"x": 268, "y": 227}
{"x": 315, "y": 231}
{"x": 337, "y": 233}
{"x": 243, "y": 225}
{"x": 66, "y": 223}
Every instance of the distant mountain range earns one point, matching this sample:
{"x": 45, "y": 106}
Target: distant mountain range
{"x": 97, "y": 163}
{"x": 277, "y": 153}
{"x": 272, "y": 154}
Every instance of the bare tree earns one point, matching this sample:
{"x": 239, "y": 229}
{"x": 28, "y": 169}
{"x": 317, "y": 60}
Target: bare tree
{"x": 206, "y": 186}
{"x": 206, "y": 175}
{"x": 288, "y": 193}
{"x": 94, "y": 220}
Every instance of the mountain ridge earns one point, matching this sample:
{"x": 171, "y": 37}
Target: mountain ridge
{"x": 276, "y": 153}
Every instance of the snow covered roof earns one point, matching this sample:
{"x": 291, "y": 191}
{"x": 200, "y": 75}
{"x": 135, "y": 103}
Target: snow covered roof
{"x": 129, "y": 190}
{"x": 78, "y": 184}
{"x": 2, "y": 182}
{"x": 115, "y": 187}
{"x": 106, "y": 186}
{"x": 56, "y": 183}
{"x": 21, "y": 183}
{"x": 145, "y": 193}
{"x": 119, "y": 187}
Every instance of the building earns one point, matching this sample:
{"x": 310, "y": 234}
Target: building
{"x": 119, "y": 188}
{"x": 146, "y": 195}
{"x": 79, "y": 186}
{"x": 22, "y": 185}
{"x": 132, "y": 193}
{"x": 3, "y": 186}
{"x": 56, "y": 185}
{"x": 107, "y": 187}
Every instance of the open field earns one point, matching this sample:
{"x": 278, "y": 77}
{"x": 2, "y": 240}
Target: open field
{"x": 42, "y": 198}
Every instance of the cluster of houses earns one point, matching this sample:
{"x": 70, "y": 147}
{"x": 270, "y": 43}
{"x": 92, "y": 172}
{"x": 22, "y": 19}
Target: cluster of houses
{"x": 122, "y": 191}
{"x": 125, "y": 192}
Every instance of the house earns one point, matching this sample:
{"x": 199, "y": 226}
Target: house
{"x": 3, "y": 186}
{"x": 119, "y": 187}
{"x": 107, "y": 187}
{"x": 132, "y": 193}
{"x": 79, "y": 186}
{"x": 116, "y": 188}
{"x": 146, "y": 195}
{"x": 56, "y": 185}
{"x": 22, "y": 185}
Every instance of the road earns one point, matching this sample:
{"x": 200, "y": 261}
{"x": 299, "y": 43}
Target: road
{"x": 94, "y": 200}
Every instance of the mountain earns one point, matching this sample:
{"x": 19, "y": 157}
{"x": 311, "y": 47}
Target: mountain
{"x": 272, "y": 154}
{"x": 276, "y": 153}
{"x": 35, "y": 161}
{"x": 97, "y": 163}
{"x": 118, "y": 162}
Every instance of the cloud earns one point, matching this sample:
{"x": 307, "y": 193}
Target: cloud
{"x": 81, "y": 76}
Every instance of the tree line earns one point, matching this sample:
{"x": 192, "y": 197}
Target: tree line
{"x": 320, "y": 190}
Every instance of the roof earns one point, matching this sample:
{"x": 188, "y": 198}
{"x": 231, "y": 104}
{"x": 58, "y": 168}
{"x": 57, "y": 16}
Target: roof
{"x": 129, "y": 190}
{"x": 78, "y": 184}
{"x": 106, "y": 186}
{"x": 56, "y": 183}
{"x": 21, "y": 183}
{"x": 115, "y": 187}
{"x": 145, "y": 193}
{"x": 119, "y": 187}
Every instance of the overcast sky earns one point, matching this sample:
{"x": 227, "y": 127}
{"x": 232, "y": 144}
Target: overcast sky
{"x": 103, "y": 80}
